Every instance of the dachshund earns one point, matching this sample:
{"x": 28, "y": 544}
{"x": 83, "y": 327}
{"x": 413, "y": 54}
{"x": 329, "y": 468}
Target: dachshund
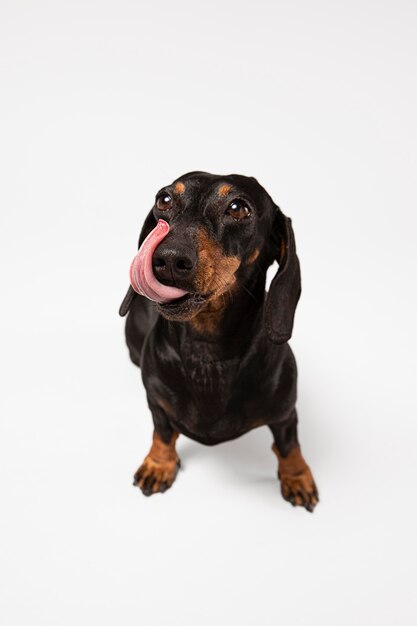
{"x": 211, "y": 343}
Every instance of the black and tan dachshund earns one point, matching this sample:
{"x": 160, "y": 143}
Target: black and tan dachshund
{"x": 211, "y": 343}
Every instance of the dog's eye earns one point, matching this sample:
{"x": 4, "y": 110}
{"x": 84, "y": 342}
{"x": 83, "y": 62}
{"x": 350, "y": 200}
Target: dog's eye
{"x": 238, "y": 210}
{"x": 164, "y": 202}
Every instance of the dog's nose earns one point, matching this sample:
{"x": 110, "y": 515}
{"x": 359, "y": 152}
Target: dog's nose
{"x": 173, "y": 264}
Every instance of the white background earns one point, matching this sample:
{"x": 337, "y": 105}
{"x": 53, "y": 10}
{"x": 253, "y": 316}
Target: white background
{"x": 101, "y": 104}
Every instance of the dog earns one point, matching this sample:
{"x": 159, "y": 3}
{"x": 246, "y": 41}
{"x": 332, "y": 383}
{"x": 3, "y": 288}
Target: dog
{"x": 210, "y": 342}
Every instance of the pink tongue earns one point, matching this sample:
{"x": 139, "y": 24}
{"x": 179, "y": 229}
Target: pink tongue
{"x": 142, "y": 278}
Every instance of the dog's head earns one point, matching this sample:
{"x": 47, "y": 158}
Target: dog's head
{"x": 223, "y": 232}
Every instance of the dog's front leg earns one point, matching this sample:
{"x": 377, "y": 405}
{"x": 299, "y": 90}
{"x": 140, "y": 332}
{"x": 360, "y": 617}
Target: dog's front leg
{"x": 297, "y": 482}
{"x": 160, "y": 466}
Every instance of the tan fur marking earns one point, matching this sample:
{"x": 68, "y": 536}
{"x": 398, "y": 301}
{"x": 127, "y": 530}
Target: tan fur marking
{"x": 207, "y": 320}
{"x": 224, "y": 190}
{"x": 162, "y": 452}
{"x": 179, "y": 188}
{"x": 216, "y": 275}
{"x": 253, "y": 257}
{"x": 159, "y": 469}
{"x": 165, "y": 405}
{"x": 297, "y": 482}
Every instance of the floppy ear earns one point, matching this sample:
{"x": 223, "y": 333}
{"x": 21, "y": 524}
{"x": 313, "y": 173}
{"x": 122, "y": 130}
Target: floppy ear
{"x": 149, "y": 224}
{"x": 285, "y": 288}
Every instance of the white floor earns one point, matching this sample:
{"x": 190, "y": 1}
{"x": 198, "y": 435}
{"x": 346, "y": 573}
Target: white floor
{"x": 82, "y": 545}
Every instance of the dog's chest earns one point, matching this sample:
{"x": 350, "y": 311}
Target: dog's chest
{"x": 206, "y": 372}
{"x": 209, "y": 376}
{"x": 209, "y": 389}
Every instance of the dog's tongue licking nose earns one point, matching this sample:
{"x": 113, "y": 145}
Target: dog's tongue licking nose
{"x": 142, "y": 278}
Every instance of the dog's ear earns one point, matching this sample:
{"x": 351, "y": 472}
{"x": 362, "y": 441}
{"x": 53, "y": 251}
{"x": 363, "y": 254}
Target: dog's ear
{"x": 149, "y": 224}
{"x": 285, "y": 288}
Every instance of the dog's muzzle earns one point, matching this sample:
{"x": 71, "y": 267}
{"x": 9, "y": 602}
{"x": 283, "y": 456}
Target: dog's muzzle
{"x": 142, "y": 277}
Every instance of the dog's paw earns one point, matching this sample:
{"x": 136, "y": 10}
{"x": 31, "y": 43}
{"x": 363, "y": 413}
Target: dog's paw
{"x": 153, "y": 477}
{"x": 300, "y": 488}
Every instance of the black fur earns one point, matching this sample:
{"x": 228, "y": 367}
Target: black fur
{"x": 244, "y": 375}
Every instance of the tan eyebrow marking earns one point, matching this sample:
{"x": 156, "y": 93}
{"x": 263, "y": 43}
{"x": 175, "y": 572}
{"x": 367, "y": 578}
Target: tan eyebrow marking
{"x": 223, "y": 190}
{"x": 179, "y": 187}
